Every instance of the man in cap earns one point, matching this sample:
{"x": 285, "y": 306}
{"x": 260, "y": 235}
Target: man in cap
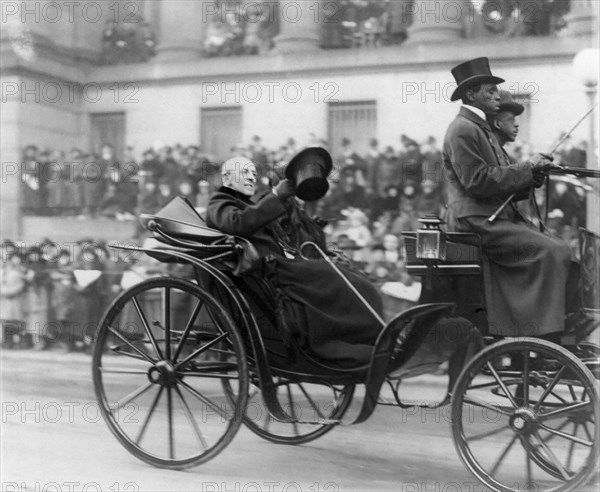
{"x": 526, "y": 271}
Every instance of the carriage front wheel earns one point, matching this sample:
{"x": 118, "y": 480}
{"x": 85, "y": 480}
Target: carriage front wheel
{"x": 161, "y": 354}
{"x": 524, "y": 417}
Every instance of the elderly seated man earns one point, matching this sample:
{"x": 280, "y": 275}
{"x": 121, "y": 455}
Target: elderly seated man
{"x": 320, "y": 312}
{"x": 317, "y": 297}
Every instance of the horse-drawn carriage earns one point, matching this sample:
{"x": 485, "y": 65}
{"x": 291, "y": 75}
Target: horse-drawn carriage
{"x": 180, "y": 363}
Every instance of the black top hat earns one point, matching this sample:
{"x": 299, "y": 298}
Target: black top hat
{"x": 475, "y": 71}
{"x": 309, "y": 169}
{"x": 507, "y": 103}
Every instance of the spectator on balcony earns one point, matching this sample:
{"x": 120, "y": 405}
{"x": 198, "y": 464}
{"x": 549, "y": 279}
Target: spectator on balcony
{"x": 110, "y": 51}
{"x": 411, "y": 160}
{"x": 31, "y": 192}
{"x": 169, "y": 169}
{"x": 429, "y": 201}
{"x": 71, "y": 176}
{"x": 149, "y": 200}
{"x": 372, "y": 160}
{"x": 166, "y": 192}
{"x": 56, "y": 182}
{"x": 95, "y": 172}
{"x": 147, "y": 42}
{"x": 387, "y": 172}
{"x": 388, "y": 203}
{"x": 397, "y": 20}
{"x": 150, "y": 165}
{"x": 13, "y": 284}
{"x": 407, "y": 219}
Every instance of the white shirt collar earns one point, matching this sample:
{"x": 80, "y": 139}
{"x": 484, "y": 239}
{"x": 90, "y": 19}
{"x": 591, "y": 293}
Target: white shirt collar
{"x": 475, "y": 110}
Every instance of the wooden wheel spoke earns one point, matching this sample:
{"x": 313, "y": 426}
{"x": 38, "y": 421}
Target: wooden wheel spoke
{"x": 558, "y": 397}
{"x": 200, "y": 350}
{"x": 292, "y": 409}
{"x": 587, "y": 431}
{"x": 149, "y": 416}
{"x": 131, "y": 396}
{"x": 147, "y": 329}
{"x": 207, "y": 375}
{"x": 503, "y": 455}
{"x": 528, "y": 469}
{"x": 123, "y": 371}
{"x": 167, "y": 322}
{"x": 526, "y": 378}
{"x": 559, "y": 412}
{"x": 553, "y": 457}
{"x": 569, "y": 437}
{"x": 502, "y": 385}
{"x": 559, "y": 428}
{"x": 170, "y": 421}
{"x": 191, "y": 419}
{"x": 186, "y": 332}
{"x": 549, "y": 388}
{"x": 572, "y": 446}
{"x": 311, "y": 401}
{"x": 207, "y": 401}
{"x": 489, "y": 406}
{"x": 493, "y": 432}
{"x": 131, "y": 345}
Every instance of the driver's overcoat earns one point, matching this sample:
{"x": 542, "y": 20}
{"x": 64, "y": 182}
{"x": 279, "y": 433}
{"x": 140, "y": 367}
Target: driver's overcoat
{"x": 526, "y": 272}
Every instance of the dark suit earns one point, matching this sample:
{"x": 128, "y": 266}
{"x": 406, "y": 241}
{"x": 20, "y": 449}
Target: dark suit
{"x": 525, "y": 271}
{"x": 319, "y": 307}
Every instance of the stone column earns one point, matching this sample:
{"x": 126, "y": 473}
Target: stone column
{"x": 582, "y": 19}
{"x": 300, "y": 22}
{"x": 435, "y": 21}
{"x": 182, "y": 28}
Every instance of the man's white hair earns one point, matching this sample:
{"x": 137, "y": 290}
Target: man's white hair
{"x": 235, "y": 164}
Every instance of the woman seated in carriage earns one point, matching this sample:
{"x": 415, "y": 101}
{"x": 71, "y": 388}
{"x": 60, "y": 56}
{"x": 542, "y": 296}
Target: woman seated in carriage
{"x": 320, "y": 309}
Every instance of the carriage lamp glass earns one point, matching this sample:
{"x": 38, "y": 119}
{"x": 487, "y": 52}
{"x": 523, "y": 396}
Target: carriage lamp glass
{"x": 431, "y": 240}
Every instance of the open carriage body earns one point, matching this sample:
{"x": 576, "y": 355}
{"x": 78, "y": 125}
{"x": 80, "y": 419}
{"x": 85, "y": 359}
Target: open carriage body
{"x": 194, "y": 358}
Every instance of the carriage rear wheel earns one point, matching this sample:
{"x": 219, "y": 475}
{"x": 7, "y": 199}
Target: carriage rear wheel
{"x": 524, "y": 414}
{"x": 161, "y": 353}
{"x": 321, "y": 404}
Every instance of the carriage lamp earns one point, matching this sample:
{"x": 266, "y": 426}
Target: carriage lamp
{"x": 431, "y": 240}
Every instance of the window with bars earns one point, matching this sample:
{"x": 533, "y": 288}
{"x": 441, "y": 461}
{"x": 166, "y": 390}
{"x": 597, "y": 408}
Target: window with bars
{"x": 220, "y": 129}
{"x": 356, "y": 120}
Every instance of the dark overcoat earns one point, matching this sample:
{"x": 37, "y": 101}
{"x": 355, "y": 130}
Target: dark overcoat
{"x": 322, "y": 308}
{"x": 525, "y": 271}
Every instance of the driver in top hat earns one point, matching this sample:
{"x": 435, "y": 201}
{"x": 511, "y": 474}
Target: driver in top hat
{"x": 526, "y": 271}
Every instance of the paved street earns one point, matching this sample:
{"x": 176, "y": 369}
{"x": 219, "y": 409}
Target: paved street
{"x": 53, "y": 438}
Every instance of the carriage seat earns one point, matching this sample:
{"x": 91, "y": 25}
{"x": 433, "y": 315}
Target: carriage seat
{"x": 463, "y": 255}
{"x": 180, "y": 228}
{"x": 181, "y": 220}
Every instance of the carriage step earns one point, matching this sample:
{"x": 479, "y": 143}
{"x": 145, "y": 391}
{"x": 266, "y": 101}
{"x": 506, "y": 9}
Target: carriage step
{"x": 318, "y": 422}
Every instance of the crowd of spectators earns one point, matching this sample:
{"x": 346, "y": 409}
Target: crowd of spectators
{"x": 130, "y": 41}
{"x": 373, "y": 197}
{"x": 238, "y": 27}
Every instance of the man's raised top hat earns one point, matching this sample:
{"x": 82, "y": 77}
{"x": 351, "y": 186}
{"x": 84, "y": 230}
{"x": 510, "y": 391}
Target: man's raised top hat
{"x": 472, "y": 72}
{"x": 309, "y": 169}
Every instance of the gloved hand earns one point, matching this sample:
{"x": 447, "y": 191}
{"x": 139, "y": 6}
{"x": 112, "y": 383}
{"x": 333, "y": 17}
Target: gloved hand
{"x": 539, "y": 179}
{"x": 285, "y": 189}
{"x": 540, "y": 163}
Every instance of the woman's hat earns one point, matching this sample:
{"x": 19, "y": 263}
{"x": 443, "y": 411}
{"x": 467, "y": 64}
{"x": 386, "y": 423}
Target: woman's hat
{"x": 475, "y": 71}
{"x": 309, "y": 169}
